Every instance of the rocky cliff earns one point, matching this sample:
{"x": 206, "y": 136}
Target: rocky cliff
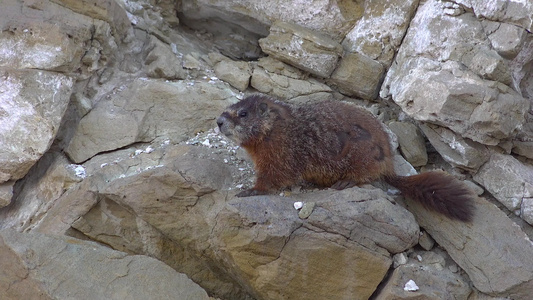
{"x": 115, "y": 185}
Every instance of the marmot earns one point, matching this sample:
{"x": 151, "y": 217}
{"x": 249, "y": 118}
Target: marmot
{"x": 331, "y": 144}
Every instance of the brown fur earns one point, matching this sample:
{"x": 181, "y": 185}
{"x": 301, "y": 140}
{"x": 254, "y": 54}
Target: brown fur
{"x": 331, "y": 144}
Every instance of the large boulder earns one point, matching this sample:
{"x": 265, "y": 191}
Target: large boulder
{"x": 430, "y": 83}
{"x": 144, "y": 110}
{"x": 36, "y": 266}
{"x": 493, "y": 250}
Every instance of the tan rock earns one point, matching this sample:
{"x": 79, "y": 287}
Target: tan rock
{"x": 411, "y": 142}
{"x": 146, "y": 109}
{"x": 358, "y": 75}
{"x": 52, "y": 267}
{"x": 496, "y": 258}
{"x": 303, "y": 48}
{"x": 285, "y": 87}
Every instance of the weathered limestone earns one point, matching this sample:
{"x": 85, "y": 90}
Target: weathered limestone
{"x": 144, "y": 110}
{"x": 302, "y": 48}
{"x": 36, "y": 266}
{"x": 509, "y": 181}
{"x": 514, "y": 12}
{"x": 161, "y": 62}
{"x": 429, "y": 83}
{"x": 458, "y": 151}
{"x": 434, "y": 281}
{"x": 358, "y": 75}
{"x": 32, "y": 104}
{"x": 379, "y": 32}
{"x": 411, "y": 142}
{"x": 236, "y": 73}
{"x": 494, "y": 257}
{"x": 282, "y": 86}
{"x": 329, "y": 17}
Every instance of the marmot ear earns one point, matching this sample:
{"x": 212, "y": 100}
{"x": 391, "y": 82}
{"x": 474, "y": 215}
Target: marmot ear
{"x": 263, "y": 108}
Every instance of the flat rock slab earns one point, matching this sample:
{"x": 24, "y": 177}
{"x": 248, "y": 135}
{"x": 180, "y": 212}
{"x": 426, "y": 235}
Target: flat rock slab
{"x": 302, "y": 48}
{"x": 36, "y": 266}
{"x": 144, "y": 110}
{"x": 493, "y": 250}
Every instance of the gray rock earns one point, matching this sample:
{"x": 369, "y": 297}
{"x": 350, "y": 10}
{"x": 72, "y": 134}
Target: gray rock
{"x": 509, "y": 181}
{"x": 284, "y": 87}
{"x": 458, "y": 151}
{"x": 496, "y": 258}
{"x": 52, "y": 267}
{"x": 434, "y": 283}
{"x": 32, "y": 104}
{"x": 358, "y": 75}
{"x": 48, "y": 36}
{"x": 523, "y": 143}
{"x": 272, "y": 65}
{"x": 160, "y": 62}
{"x": 426, "y": 241}
{"x": 302, "y": 48}
{"x": 332, "y": 18}
{"x": 166, "y": 201}
{"x": 430, "y": 83}
{"x": 6, "y": 193}
{"x": 507, "y": 40}
{"x": 41, "y": 193}
{"x": 349, "y": 214}
{"x": 514, "y": 12}
{"x": 379, "y": 32}
{"x": 147, "y": 109}
{"x": 411, "y": 142}
{"x": 236, "y": 73}
{"x": 489, "y": 65}
{"x": 281, "y": 244}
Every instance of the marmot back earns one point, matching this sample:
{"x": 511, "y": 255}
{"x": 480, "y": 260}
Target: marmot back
{"x": 331, "y": 144}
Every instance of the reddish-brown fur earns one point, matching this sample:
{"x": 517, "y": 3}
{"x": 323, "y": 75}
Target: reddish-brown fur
{"x": 331, "y": 144}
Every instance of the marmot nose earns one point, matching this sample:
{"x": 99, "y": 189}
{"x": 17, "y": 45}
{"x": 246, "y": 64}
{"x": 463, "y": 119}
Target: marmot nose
{"x": 220, "y": 121}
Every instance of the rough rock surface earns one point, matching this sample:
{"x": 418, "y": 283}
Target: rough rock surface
{"x": 467, "y": 101}
{"x": 165, "y": 197}
{"x": 411, "y": 143}
{"x": 108, "y": 108}
{"x": 36, "y": 266}
{"x": 431, "y": 273}
{"x": 516, "y": 193}
{"x": 358, "y": 75}
{"x": 302, "y": 48}
{"x": 148, "y": 109}
{"x": 492, "y": 256}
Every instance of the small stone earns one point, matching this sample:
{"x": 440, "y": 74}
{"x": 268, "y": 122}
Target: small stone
{"x": 412, "y": 144}
{"x": 306, "y": 210}
{"x": 410, "y": 286}
{"x": 359, "y": 75}
{"x": 298, "y": 205}
{"x": 426, "y": 241}
{"x": 399, "y": 259}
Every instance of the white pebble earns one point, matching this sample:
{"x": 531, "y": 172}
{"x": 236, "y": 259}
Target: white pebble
{"x": 410, "y": 286}
{"x": 298, "y": 205}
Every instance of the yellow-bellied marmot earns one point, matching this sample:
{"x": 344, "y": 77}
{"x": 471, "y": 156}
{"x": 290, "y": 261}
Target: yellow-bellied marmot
{"x": 331, "y": 144}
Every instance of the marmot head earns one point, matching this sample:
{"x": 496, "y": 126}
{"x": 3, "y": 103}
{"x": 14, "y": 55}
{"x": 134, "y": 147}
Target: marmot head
{"x": 250, "y": 120}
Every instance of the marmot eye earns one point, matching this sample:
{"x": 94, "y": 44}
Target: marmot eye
{"x": 243, "y": 114}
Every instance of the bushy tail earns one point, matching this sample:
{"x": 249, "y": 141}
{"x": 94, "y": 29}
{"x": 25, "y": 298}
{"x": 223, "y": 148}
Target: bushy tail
{"x": 437, "y": 191}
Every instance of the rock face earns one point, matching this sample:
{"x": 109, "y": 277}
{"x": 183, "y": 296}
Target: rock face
{"x": 107, "y": 110}
{"x": 468, "y": 101}
{"x": 54, "y": 267}
{"x": 302, "y": 48}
